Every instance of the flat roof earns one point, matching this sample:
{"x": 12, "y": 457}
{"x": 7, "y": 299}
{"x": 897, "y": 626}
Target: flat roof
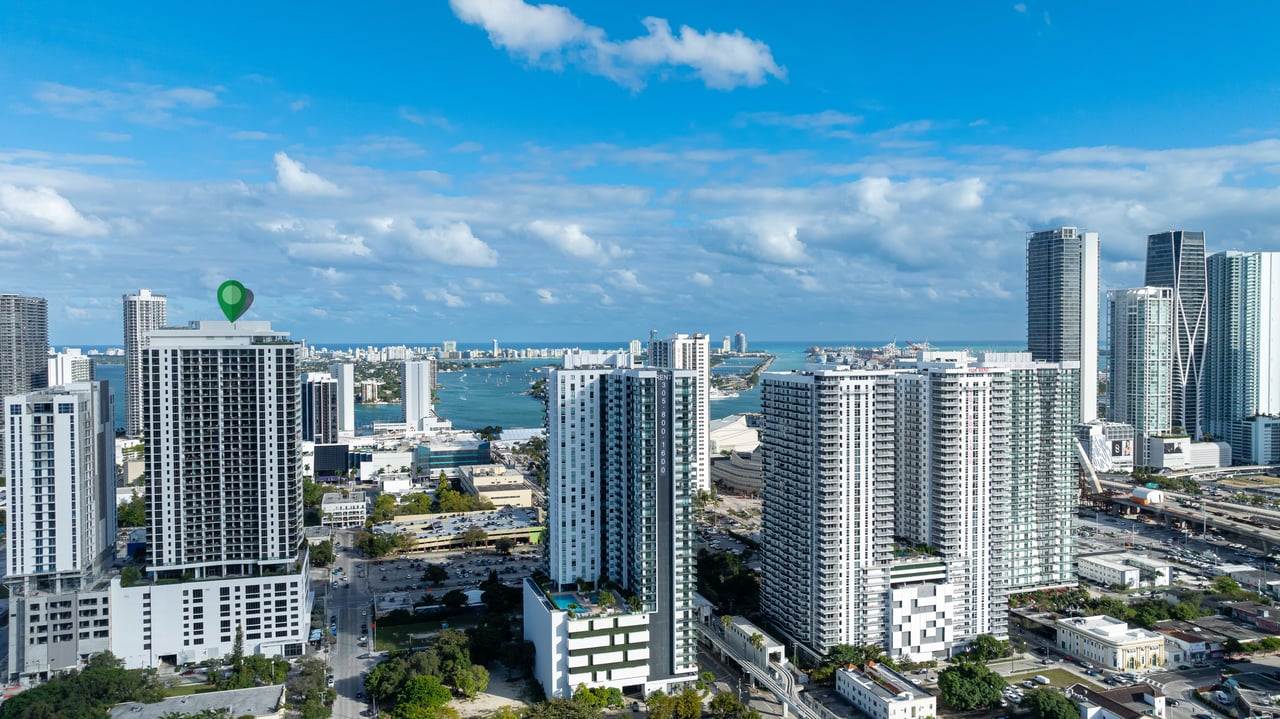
{"x": 258, "y": 701}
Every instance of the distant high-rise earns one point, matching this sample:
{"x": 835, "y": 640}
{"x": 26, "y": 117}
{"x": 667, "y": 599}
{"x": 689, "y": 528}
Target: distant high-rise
{"x": 740, "y": 342}
{"x": 345, "y": 374}
{"x": 61, "y": 527}
{"x": 417, "y": 379}
{"x": 143, "y": 312}
{"x": 1062, "y": 305}
{"x": 1141, "y": 331}
{"x": 691, "y": 352}
{"x": 320, "y": 392}
{"x": 621, "y": 452}
{"x": 24, "y": 344}
{"x": 1176, "y": 259}
{"x": 1242, "y": 388}
{"x": 69, "y": 366}
{"x": 726, "y": 345}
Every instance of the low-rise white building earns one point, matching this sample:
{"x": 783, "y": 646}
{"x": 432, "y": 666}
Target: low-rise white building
{"x": 497, "y": 483}
{"x": 580, "y": 643}
{"x": 739, "y": 635}
{"x": 1111, "y": 643}
{"x": 1131, "y": 702}
{"x": 1124, "y": 569}
{"x": 339, "y": 511}
{"x": 881, "y": 693}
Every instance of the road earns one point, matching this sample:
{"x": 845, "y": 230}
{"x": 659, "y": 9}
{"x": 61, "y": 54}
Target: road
{"x": 347, "y": 661}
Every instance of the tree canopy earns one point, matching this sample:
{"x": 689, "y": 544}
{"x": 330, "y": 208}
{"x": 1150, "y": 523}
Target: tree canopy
{"x": 1046, "y": 703}
{"x": 103, "y": 683}
{"x": 969, "y": 685}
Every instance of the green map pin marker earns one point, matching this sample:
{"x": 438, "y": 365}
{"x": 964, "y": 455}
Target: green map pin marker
{"x": 234, "y": 299}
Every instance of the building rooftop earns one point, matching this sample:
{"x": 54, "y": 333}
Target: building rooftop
{"x": 885, "y": 683}
{"x": 1129, "y": 702}
{"x": 1108, "y": 629}
{"x": 356, "y": 496}
{"x": 256, "y": 702}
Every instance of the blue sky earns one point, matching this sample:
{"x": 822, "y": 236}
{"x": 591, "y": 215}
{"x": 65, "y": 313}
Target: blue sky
{"x": 588, "y": 171}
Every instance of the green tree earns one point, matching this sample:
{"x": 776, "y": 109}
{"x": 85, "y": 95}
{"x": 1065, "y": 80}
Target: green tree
{"x": 846, "y": 654}
{"x": 322, "y": 554}
{"x": 435, "y": 574}
{"x": 562, "y": 709}
{"x": 474, "y": 535}
{"x": 133, "y": 513}
{"x": 1046, "y": 703}
{"x": 384, "y": 508}
{"x": 312, "y": 493}
{"x": 985, "y": 648}
{"x": 417, "y": 503}
{"x": 757, "y": 640}
{"x": 661, "y": 706}
{"x": 489, "y": 432}
{"x": 1225, "y": 585}
{"x": 504, "y": 545}
{"x": 130, "y": 576}
{"x": 688, "y": 704}
{"x": 725, "y": 705}
{"x": 969, "y": 685}
{"x": 424, "y": 690}
{"x": 455, "y": 599}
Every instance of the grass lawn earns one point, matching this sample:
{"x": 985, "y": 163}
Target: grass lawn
{"x": 183, "y": 690}
{"x": 1058, "y": 678}
{"x": 391, "y": 638}
{"x": 1251, "y": 481}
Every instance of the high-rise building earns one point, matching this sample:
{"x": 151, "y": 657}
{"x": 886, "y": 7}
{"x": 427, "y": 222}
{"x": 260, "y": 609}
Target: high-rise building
{"x": 345, "y": 374}
{"x": 61, "y": 526}
{"x": 621, "y": 458}
{"x": 320, "y": 392}
{"x": 69, "y": 366}
{"x": 223, "y": 421}
{"x": 24, "y": 344}
{"x": 972, "y": 459}
{"x": 691, "y": 352}
{"x": 726, "y": 345}
{"x": 143, "y": 312}
{"x": 740, "y": 342}
{"x": 1141, "y": 339}
{"x": 417, "y": 379}
{"x": 1176, "y": 259}
{"x": 1242, "y": 389}
{"x": 828, "y": 453}
{"x": 1062, "y": 305}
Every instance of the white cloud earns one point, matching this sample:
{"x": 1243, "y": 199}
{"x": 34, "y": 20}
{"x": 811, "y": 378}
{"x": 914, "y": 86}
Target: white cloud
{"x": 1020, "y": 7}
{"x": 701, "y": 279}
{"x": 771, "y": 239}
{"x": 294, "y": 179}
{"x": 824, "y": 120}
{"x": 547, "y": 297}
{"x": 113, "y": 136}
{"x": 43, "y": 210}
{"x": 135, "y": 102}
{"x": 494, "y": 298}
{"x": 301, "y": 103}
{"x": 328, "y": 274}
{"x": 421, "y": 120}
{"x": 251, "y": 135}
{"x": 394, "y": 291}
{"x": 627, "y": 280}
{"x": 569, "y": 239}
{"x": 450, "y": 244}
{"x": 445, "y": 297}
{"x": 554, "y": 36}
{"x": 467, "y": 146}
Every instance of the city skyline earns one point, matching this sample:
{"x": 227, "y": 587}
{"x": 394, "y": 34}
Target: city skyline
{"x": 763, "y": 147}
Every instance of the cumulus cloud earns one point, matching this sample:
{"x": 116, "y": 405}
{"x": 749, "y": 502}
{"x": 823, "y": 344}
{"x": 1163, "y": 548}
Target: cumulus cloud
{"x": 547, "y": 297}
{"x": 551, "y": 35}
{"x": 251, "y": 135}
{"x": 771, "y": 239}
{"x": 701, "y": 279}
{"x": 444, "y": 297}
{"x": 43, "y": 210}
{"x": 394, "y": 291}
{"x": 328, "y": 274}
{"x": 293, "y": 178}
{"x": 569, "y": 239}
{"x": 450, "y": 244}
{"x": 422, "y": 120}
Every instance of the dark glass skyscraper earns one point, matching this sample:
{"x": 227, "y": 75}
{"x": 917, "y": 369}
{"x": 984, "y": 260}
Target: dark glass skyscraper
{"x": 1062, "y": 305}
{"x": 1176, "y": 259}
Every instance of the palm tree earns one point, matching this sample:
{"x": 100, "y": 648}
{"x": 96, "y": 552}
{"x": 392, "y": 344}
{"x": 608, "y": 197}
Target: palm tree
{"x": 727, "y": 621}
{"x": 757, "y": 640}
